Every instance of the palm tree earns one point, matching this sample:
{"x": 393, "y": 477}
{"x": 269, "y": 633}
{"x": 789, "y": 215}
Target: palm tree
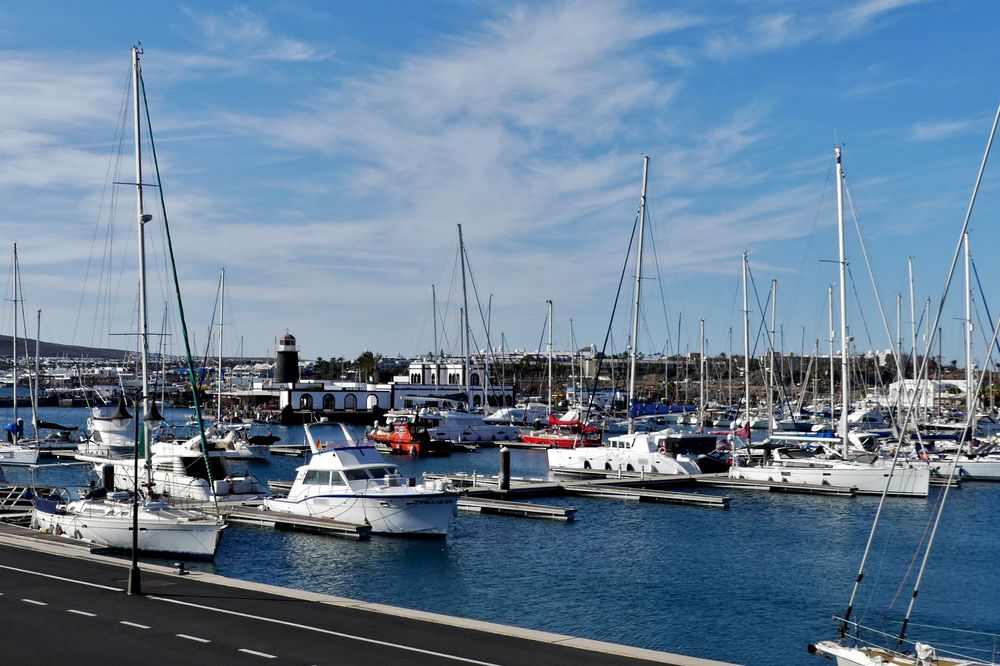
{"x": 368, "y": 362}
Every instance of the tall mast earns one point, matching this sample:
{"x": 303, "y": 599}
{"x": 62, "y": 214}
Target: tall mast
{"x": 901, "y": 377}
{"x": 816, "y": 376}
{"x": 701, "y": 377}
{"x": 845, "y": 379}
{"x": 549, "y": 353}
{"x": 465, "y": 324}
{"x": 486, "y": 358}
{"x": 746, "y": 354}
{"x": 730, "y": 360}
{"x": 638, "y": 289}
{"x": 142, "y": 218}
{"x": 38, "y": 374}
{"x": 770, "y": 383}
{"x": 434, "y": 306}
{"x": 14, "y": 344}
{"x": 928, "y": 344}
{"x": 573, "y": 379}
{"x": 833, "y": 340}
{"x": 222, "y": 320}
{"x": 899, "y": 326}
{"x": 913, "y": 319}
{"x": 970, "y": 399}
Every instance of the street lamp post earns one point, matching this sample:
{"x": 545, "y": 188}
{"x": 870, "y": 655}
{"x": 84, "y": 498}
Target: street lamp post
{"x": 134, "y": 584}
{"x": 151, "y": 419}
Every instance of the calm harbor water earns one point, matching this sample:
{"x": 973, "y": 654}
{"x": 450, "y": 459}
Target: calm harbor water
{"x": 752, "y": 585}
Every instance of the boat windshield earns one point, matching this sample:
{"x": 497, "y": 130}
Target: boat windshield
{"x": 322, "y": 477}
{"x": 356, "y": 474}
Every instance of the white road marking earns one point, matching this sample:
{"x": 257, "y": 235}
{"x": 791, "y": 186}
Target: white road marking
{"x": 67, "y": 580}
{"x": 286, "y": 623}
{"x": 194, "y": 638}
{"x": 32, "y": 601}
{"x": 328, "y": 632}
{"x": 133, "y": 624}
{"x": 80, "y": 612}
{"x": 258, "y": 654}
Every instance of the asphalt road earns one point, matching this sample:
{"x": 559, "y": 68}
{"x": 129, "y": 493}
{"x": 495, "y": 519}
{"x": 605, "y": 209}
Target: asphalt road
{"x": 66, "y": 608}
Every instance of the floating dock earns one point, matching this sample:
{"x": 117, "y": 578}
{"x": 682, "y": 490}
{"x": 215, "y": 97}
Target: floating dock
{"x": 523, "y": 509}
{"x": 943, "y": 481}
{"x": 628, "y": 486}
{"x": 647, "y": 495}
{"x": 247, "y": 515}
{"x": 290, "y": 450}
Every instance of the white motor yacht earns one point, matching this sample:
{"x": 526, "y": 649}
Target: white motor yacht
{"x": 348, "y": 480}
{"x": 661, "y": 452}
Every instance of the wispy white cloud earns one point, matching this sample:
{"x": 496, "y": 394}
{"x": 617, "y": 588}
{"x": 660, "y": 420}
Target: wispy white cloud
{"x": 45, "y": 105}
{"x": 942, "y": 129}
{"x": 526, "y": 127}
{"x": 797, "y": 25}
{"x": 862, "y": 16}
{"x": 243, "y": 33}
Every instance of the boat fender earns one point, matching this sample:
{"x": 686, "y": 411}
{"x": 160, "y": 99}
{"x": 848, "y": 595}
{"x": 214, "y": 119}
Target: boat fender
{"x": 662, "y": 450}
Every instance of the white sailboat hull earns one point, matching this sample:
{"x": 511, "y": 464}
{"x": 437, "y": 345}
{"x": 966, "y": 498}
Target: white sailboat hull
{"x": 977, "y": 469}
{"x": 11, "y": 454}
{"x": 868, "y": 480}
{"x": 166, "y": 531}
{"x": 874, "y": 656}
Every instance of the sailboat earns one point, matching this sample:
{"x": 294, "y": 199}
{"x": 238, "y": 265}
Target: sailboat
{"x": 15, "y": 452}
{"x": 856, "y": 650}
{"x": 795, "y": 465}
{"x": 107, "y": 519}
{"x": 660, "y": 452}
{"x": 230, "y": 434}
{"x": 566, "y": 432}
{"x": 980, "y": 463}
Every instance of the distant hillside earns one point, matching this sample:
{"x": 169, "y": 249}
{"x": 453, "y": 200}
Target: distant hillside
{"x": 54, "y": 350}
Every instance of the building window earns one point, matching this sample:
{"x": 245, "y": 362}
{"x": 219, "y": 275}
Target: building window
{"x": 475, "y": 379}
{"x": 329, "y": 403}
{"x": 306, "y": 401}
{"x": 476, "y": 400}
{"x": 351, "y": 402}
{"x": 372, "y": 401}
{"x": 434, "y": 378}
{"x": 415, "y": 379}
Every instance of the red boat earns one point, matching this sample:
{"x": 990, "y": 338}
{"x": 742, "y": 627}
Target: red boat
{"x": 405, "y": 435}
{"x": 568, "y": 433}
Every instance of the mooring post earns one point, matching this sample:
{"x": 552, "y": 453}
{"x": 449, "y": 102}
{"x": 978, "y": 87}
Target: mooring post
{"x": 504, "y": 478}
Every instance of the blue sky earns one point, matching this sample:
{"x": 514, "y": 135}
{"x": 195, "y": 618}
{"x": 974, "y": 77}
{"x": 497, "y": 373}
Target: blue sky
{"x": 324, "y": 153}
